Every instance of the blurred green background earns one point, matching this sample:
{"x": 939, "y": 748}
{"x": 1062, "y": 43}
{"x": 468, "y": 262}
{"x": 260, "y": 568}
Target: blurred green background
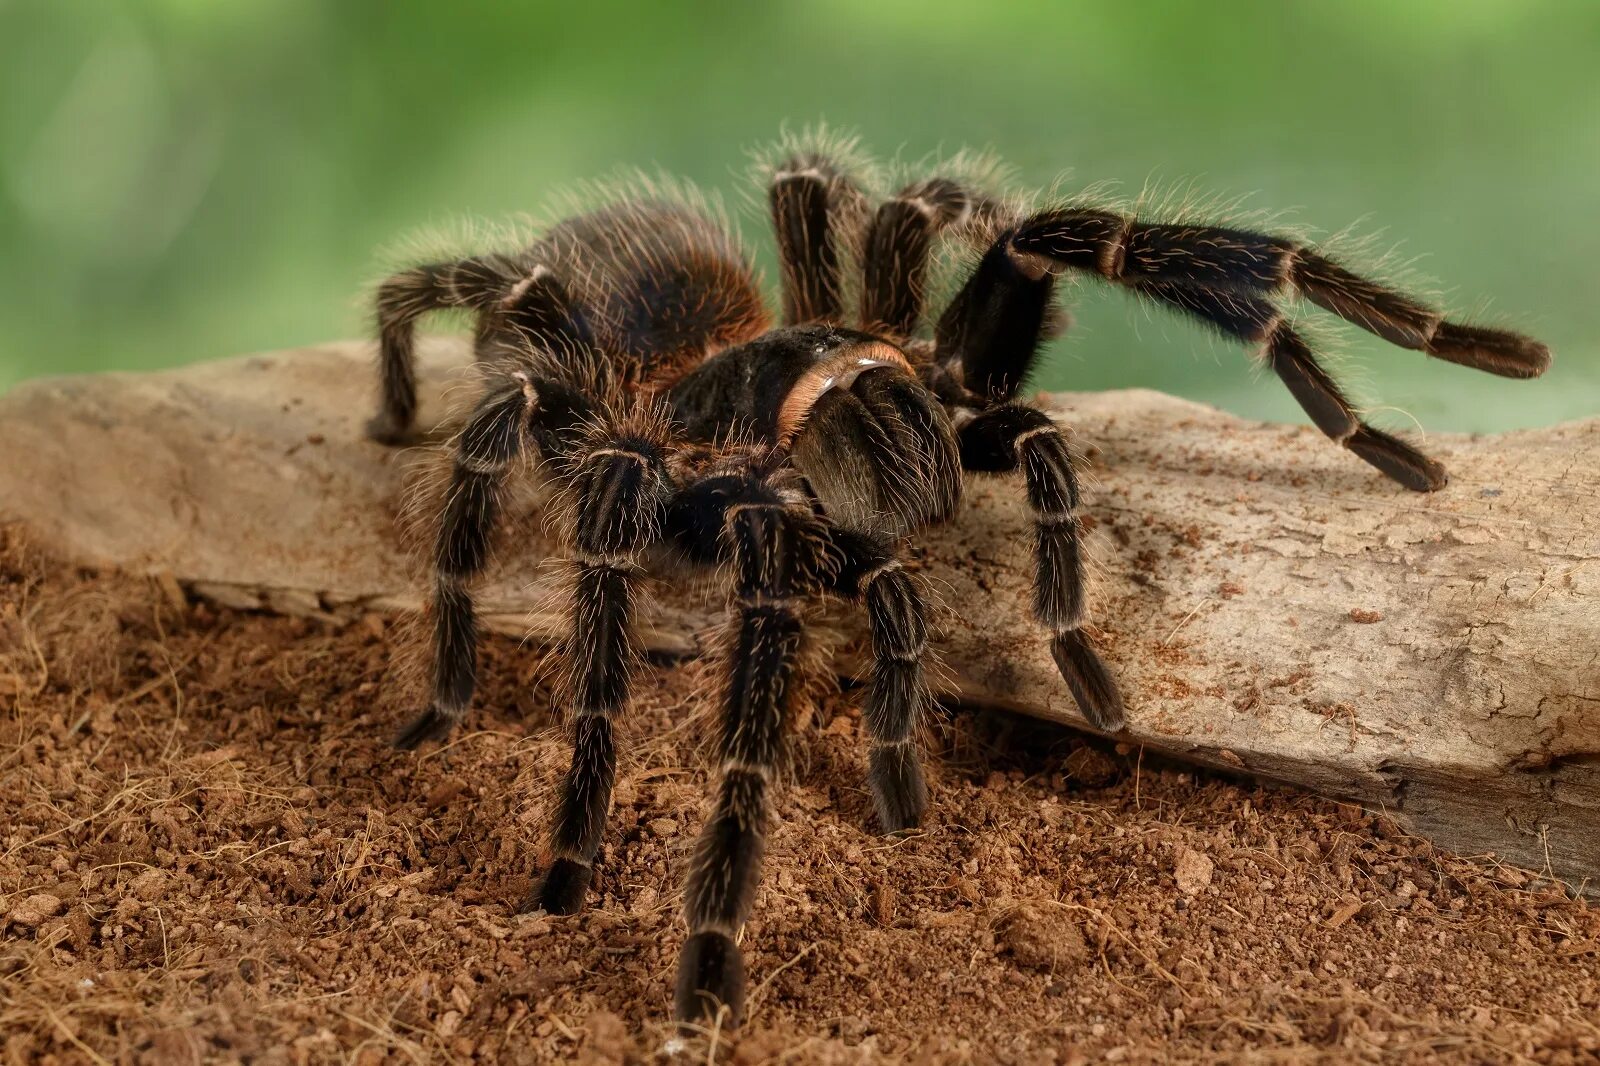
{"x": 185, "y": 179}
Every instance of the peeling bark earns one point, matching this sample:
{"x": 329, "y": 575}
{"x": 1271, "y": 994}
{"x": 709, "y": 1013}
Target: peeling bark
{"x": 1268, "y": 603}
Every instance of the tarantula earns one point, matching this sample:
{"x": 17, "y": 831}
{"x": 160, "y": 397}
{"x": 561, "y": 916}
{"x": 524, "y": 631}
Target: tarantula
{"x": 631, "y": 350}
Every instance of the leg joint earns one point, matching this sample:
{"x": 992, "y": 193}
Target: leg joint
{"x": 1112, "y": 262}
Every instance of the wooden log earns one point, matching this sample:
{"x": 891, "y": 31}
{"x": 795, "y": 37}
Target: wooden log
{"x": 1267, "y": 602}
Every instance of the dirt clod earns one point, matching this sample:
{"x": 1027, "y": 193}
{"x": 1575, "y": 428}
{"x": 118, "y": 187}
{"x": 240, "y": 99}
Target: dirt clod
{"x": 33, "y": 910}
{"x": 1091, "y": 767}
{"x": 1041, "y": 940}
{"x": 1192, "y": 870}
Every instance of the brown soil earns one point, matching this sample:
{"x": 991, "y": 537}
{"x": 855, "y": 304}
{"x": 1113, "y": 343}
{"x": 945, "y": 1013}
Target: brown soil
{"x": 209, "y": 854}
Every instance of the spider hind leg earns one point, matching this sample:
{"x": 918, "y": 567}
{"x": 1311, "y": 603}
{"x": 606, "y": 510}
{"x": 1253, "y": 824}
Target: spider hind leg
{"x": 811, "y": 200}
{"x": 477, "y": 283}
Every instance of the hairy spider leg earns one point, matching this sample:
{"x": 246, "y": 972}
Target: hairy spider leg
{"x": 479, "y": 283}
{"x": 1130, "y": 251}
{"x": 616, "y": 493}
{"x": 894, "y": 259}
{"x": 1225, "y": 277}
{"x": 999, "y": 440}
{"x": 871, "y": 572}
{"x": 806, "y": 194}
{"x": 518, "y": 405}
{"x": 777, "y": 552}
{"x": 986, "y": 341}
{"x": 1258, "y": 322}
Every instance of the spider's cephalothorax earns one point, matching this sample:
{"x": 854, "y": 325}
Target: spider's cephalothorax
{"x": 631, "y": 350}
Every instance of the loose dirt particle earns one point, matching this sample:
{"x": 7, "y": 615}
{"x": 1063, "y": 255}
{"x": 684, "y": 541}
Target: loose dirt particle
{"x": 1040, "y": 938}
{"x": 1365, "y": 617}
{"x": 1091, "y": 767}
{"x": 1343, "y": 914}
{"x": 1192, "y": 871}
{"x": 446, "y": 790}
{"x": 34, "y": 910}
{"x": 883, "y": 904}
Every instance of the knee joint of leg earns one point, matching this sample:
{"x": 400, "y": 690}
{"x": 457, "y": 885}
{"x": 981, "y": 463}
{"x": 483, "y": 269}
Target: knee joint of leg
{"x": 617, "y": 496}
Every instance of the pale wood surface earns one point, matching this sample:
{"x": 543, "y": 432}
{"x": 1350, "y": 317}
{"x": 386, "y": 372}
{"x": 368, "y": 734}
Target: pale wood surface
{"x": 1267, "y": 602}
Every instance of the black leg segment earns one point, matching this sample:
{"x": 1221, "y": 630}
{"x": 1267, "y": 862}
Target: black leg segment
{"x": 544, "y": 312}
{"x": 492, "y": 440}
{"x": 895, "y": 258}
{"x": 617, "y": 493}
{"x": 1257, "y": 322}
{"x": 806, "y": 196}
{"x": 776, "y": 551}
{"x": 1226, "y": 278}
{"x": 989, "y": 335}
{"x": 477, "y": 283}
{"x": 1002, "y": 439}
{"x": 870, "y": 570}
{"x": 521, "y": 406}
{"x": 1132, "y": 251}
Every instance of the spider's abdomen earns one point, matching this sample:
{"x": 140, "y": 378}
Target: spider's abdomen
{"x": 664, "y": 283}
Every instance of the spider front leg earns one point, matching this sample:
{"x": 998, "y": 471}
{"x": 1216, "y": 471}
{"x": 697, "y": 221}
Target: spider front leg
{"x": 881, "y": 453}
{"x": 1227, "y": 279}
{"x": 1134, "y": 251}
{"x": 777, "y": 551}
{"x": 1291, "y": 357}
{"x": 987, "y": 340}
{"x": 1000, "y": 440}
{"x": 616, "y": 493}
{"x": 870, "y": 571}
